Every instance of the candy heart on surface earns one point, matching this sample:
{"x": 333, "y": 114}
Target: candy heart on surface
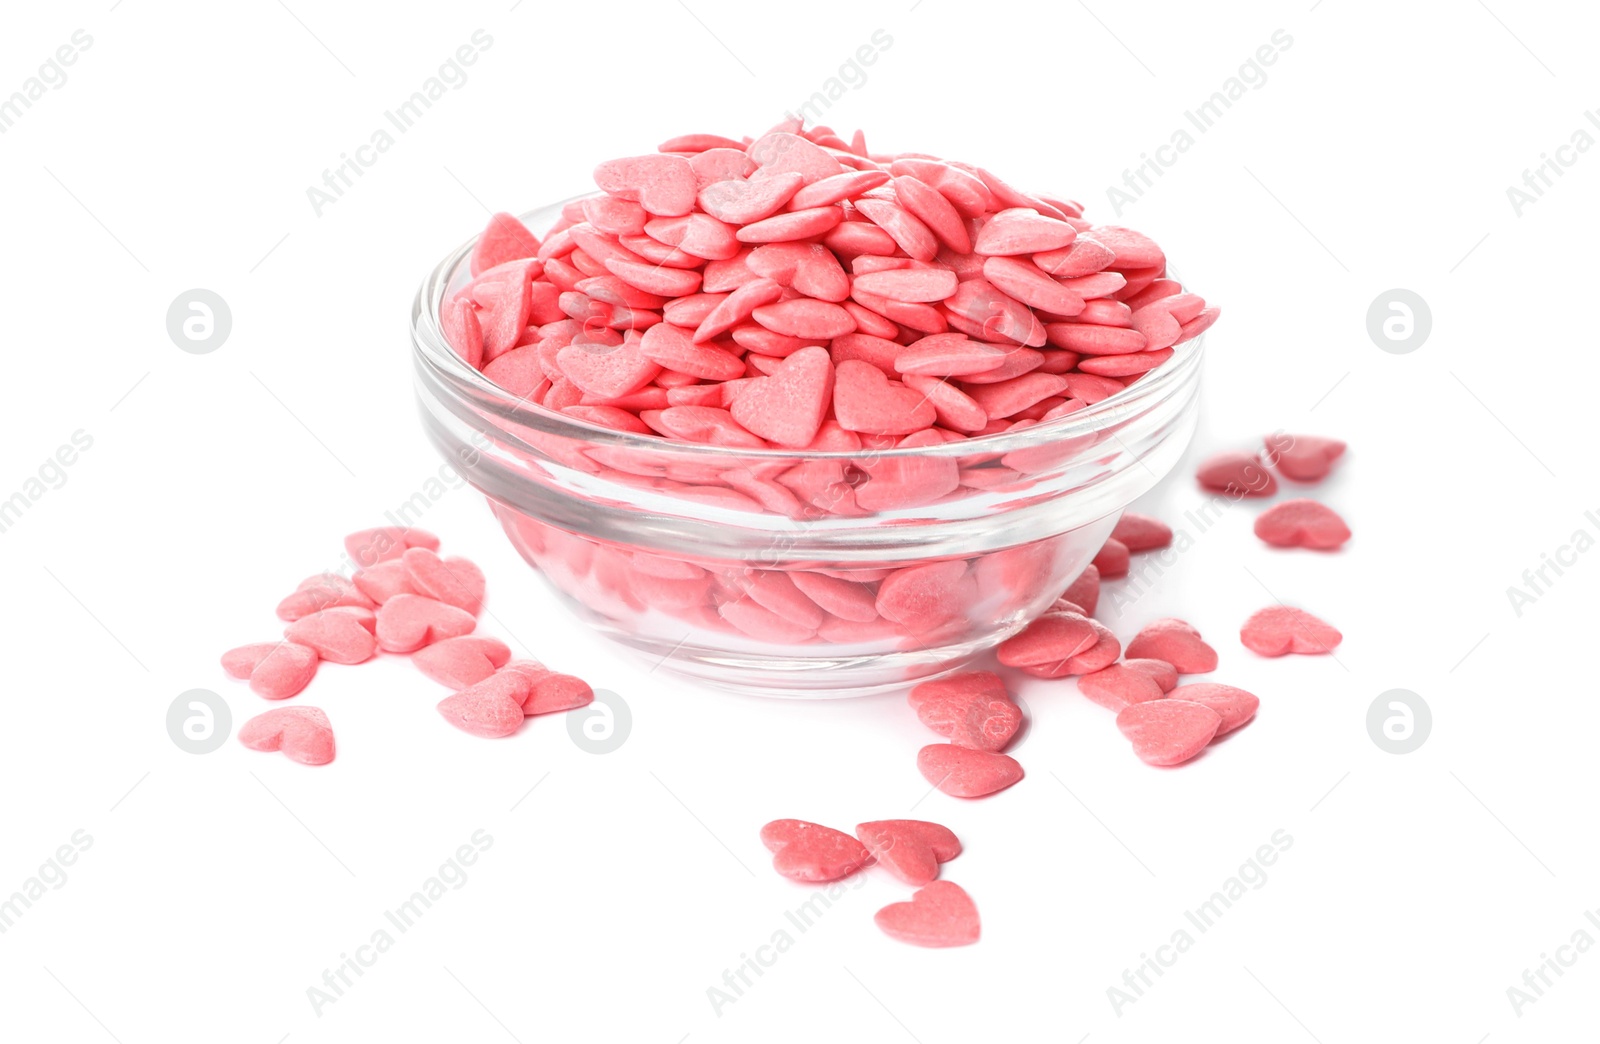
{"x": 938, "y": 915}
{"x": 303, "y": 734}
{"x": 808, "y": 852}
{"x": 910, "y": 849}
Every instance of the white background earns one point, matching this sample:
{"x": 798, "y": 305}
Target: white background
{"x": 1376, "y": 155}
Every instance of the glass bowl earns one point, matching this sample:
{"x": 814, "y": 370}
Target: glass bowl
{"x": 798, "y": 573}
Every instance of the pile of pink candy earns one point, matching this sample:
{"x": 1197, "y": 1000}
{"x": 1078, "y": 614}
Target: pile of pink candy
{"x": 405, "y": 599}
{"x": 795, "y": 291}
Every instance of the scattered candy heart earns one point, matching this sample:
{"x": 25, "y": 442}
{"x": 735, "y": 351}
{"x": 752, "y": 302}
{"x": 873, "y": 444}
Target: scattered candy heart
{"x": 1279, "y": 630}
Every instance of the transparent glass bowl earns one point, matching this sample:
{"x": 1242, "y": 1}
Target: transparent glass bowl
{"x": 797, "y": 573}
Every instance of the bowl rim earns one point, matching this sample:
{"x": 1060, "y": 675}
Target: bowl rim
{"x": 430, "y": 349}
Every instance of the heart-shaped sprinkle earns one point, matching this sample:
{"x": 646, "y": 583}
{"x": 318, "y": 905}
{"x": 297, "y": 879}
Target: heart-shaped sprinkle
{"x": 1234, "y": 706}
{"x": 550, "y": 692}
{"x": 940, "y": 914}
{"x": 1085, "y": 256}
{"x": 922, "y": 597}
{"x": 1119, "y": 685}
{"x": 1141, "y": 532}
{"x": 1278, "y": 630}
{"x": 740, "y": 201}
{"x": 971, "y": 709}
{"x": 1163, "y": 672}
{"x": 323, "y": 591}
{"x": 865, "y": 400}
{"x": 1025, "y": 281}
{"x": 910, "y": 849}
{"x": 1302, "y": 523}
{"x": 965, "y": 772}
{"x": 606, "y": 371}
{"x": 664, "y": 185}
{"x": 1238, "y": 474}
{"x": 453, "y": 581}
{"x": 491, "y": 708}
{"x": 845, "y": 599}
{"x": 303, "y": 734}
{"x": 780, "y": 153}
{"x": 371, "y": 546}
{"x": 504, "y": 239}
{"x": 460, "y": 662}
{"x": 787, "y": 407}
{"x": 383, "y": 581}
{"x": 1053, "y": 638}
{"x": 337, "y": 636}
{"x": 277, "y": 670}
{"x": 1304, "y": 458}
{"x": 1022, "y": 231}
{"x": 408, "y": 622}
{"x": 1085, "y": 590}
{"x": 1174, "y": 642}
{"x": 1112, "y": 558}
{"x": 1168, "y": 732}
{"x": 805, "y": 851}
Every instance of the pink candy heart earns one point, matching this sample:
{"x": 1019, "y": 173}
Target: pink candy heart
{"x": 453, "y": 581}
{"x": 408, "y": 622}
{"x": 1279, "y": 630}
{"x": 303, "y": 734}
{"x": 1119, "y": 685}
{"x": 938, "y": 915}
{"x": 504, "y": 239}
{"x": 663, "y": 185}
{"x": 1304, "y": 458}
{"x": 1234, "y": 706}
{"x": 965, "y": 772}
{"x": 490, "y": 708}
{"x": 1141, "y": 532}
{"x": 1053, "y": 638}
{"x": 1302, "y": 523}
{"x": 865, "y": 400}
{"x": 806, "y": 851}
{"x": 371, "y": 546}
{"x": 1168, "y": 732}
{"x": 320, "y": 592}
{"x": 337, "y": 636}
{"x": 910, "y": 849}
{"x": 277, "y": 670}
{"x": 971, "y": 710}
{"x": 550, "y": 692}
{"x": 1174, "y": 642}
{"x": 787, "y": 407}
{"x": 607, "y": 371}
{"x": 1238, "y": 474}
{"x": 461, "y": 662}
